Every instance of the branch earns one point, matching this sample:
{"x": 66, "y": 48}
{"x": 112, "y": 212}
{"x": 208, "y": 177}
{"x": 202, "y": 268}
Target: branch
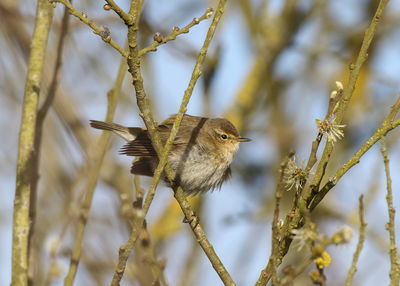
{"x": 390, "y": 226}
{"x": 275, "y": 235}
{"x": 309, "y": 199}
{"x": 159, "y": 40}
{"x": 143, "y": 104}
{"x": 41, "y": 116}
{"x": 104, "y": 33}
{"x": 349, "y": 89}
{"x": 387, "y": 125}
{"x": 360, "y": 244}
{"x": 93, "y": 174}
{"x": 24, "y": 176}
{"x": 128, "y": 19}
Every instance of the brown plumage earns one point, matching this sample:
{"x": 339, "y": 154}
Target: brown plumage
{"x": 200, "y": 155}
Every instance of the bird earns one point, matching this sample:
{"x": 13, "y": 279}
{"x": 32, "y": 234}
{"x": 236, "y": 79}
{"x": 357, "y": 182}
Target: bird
{"x": 201, "y": 153}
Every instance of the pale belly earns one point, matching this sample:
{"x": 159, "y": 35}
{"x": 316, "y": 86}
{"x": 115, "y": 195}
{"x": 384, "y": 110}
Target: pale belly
{"x": 200, "y": 172}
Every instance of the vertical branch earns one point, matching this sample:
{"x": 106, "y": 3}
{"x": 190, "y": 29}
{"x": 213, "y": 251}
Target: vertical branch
{"x": 24, "y": 178}
{"x": 275, "y": 225}
{"x": 41, "y": 116}
{"x": 390, "y": 226}
{"x": 93, "y": 175}
{"x": 360, "y": 244}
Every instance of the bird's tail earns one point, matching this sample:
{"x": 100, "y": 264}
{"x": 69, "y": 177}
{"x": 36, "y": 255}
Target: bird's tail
{"x": 127, "y": 133}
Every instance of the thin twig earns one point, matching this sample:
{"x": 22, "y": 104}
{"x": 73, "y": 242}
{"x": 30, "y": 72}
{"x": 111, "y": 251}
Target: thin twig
{"x": 360, "y": 243}
{"x": 102, "y": 32}
{"x": 159, "y": 40}
{"x": 390, "y": 226}
{"x": 93, "y": 174}
{"x": 128, "y": 19}
{"x": 24, "y": 176}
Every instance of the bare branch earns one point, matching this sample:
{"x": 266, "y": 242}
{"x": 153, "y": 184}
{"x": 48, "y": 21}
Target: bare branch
{"x": 391, "y": 225}
{"x": 41, "y": 116}
{"x": 25, "y": 177}
{"x": 159, "y": 40}
{"x": 128, "y": 19}
{"x": 104, "y": 33}
{"x": 387, "y": 125}
{"x": 349, "y": 90}
{"x": 360, "y": 244}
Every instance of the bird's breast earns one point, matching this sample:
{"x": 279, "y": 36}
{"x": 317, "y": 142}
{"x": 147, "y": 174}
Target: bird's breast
{"x": 199, "y": 170}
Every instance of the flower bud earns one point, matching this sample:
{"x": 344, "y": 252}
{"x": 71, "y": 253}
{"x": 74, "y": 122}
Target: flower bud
{"x": 339, "y": 85}
{"x": 158, "y": 37}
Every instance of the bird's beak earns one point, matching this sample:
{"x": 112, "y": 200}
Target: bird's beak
{"x": 242, "y": 139}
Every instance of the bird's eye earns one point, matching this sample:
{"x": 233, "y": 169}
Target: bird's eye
{"x": 224, "y": 136}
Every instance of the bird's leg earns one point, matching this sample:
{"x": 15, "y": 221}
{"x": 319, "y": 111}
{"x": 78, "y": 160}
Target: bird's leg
{"x": 193, "y": 220}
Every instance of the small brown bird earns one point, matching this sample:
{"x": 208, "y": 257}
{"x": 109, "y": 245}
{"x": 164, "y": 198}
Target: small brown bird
{"x": 200, "y": 155}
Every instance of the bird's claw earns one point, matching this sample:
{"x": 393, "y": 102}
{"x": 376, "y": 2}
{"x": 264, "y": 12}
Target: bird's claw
{"x": 193, "y": 220}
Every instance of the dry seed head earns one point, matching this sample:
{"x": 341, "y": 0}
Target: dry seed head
{"x": 332, "y": 131}
{"x": 294, "y": 176}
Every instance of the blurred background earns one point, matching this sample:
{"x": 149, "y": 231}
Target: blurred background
{"x": 270, "y": 70}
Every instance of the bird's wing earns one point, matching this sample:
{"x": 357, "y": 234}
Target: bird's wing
{"x": 144, "y": 166}
{"x": 140, "y": 147}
